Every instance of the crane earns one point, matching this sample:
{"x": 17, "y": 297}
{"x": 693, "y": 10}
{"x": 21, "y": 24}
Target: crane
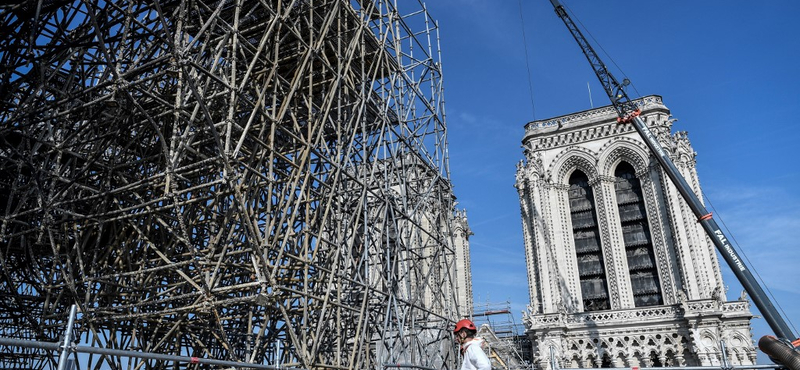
{"x": 628, "y": 112}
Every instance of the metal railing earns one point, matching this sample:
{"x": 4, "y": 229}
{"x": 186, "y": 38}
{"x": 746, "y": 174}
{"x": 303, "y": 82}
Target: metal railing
{"x": 68, "y": 348}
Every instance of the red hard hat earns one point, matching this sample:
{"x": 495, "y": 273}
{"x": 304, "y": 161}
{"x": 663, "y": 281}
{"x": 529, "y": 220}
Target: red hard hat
{"x": 464, "y": 323}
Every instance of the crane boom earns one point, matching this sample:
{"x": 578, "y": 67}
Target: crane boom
{"x": 629, "y": 113}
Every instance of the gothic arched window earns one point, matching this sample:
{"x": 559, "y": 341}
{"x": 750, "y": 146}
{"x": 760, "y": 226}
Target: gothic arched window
{"x": 591, "y": 268}
{"x": 636, "y": 234}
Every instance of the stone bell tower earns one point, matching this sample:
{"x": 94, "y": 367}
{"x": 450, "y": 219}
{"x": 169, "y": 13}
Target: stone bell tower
{"x": 620, "y": 273}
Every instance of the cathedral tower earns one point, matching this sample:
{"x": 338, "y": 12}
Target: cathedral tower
{"x": 620, "y": 273}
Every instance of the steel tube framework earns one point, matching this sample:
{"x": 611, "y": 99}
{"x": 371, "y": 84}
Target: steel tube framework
{"x": 252, "y": 181}
{"x": 21, "y": 343}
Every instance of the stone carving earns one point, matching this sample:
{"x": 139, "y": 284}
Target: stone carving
{"x": 686, "y": 329}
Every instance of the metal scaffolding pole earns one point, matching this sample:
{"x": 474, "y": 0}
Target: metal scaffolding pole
{"x": 66, "y": 345}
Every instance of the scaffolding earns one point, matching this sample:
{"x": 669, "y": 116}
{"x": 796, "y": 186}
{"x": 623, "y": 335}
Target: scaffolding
{"x": 509, "y": 348}
{"x": 253, "y": 181}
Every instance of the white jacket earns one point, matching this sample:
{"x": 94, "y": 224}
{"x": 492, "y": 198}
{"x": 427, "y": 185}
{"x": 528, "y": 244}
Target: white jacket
{"x": 474, "y": 357}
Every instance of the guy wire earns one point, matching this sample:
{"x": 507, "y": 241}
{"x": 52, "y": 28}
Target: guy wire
{"x": 527, "y": 61}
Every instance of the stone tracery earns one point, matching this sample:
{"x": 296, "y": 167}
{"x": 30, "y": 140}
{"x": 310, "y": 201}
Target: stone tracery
{"x": 687, "y": 328}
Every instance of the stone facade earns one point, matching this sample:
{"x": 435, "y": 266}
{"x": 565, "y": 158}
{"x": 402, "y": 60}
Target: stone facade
{"x": 620, "y": 273}
{"x": 461, "y": 234}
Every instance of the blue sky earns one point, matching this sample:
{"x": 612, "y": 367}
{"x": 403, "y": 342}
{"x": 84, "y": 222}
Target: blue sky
{"x": 728, "y": 71}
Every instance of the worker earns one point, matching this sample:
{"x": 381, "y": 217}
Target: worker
{"x": 474, "y": 357}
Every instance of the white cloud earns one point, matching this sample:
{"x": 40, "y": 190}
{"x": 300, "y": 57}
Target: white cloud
{"x": 762, "y": 222}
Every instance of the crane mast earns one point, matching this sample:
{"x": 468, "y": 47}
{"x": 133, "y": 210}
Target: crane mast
{"x": 628, "y": 112}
